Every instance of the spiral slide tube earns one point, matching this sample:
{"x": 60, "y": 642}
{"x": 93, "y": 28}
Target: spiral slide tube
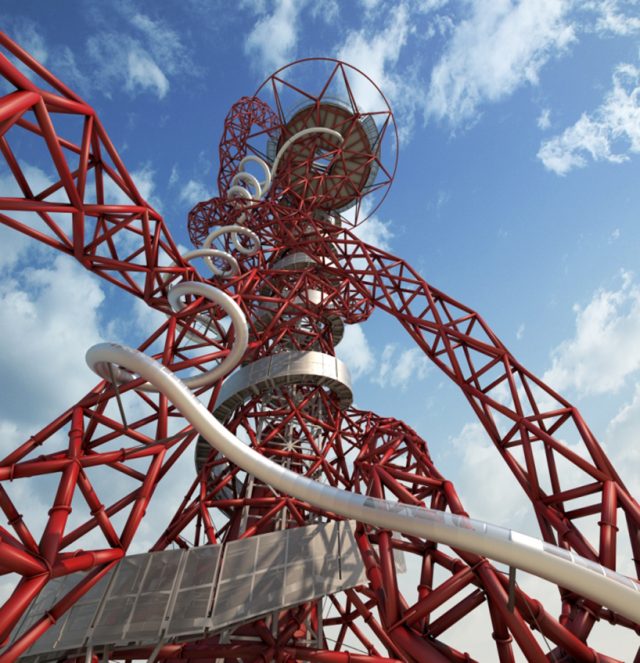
{"x": 215, "y": 296}
{"x": 557, "y": 565}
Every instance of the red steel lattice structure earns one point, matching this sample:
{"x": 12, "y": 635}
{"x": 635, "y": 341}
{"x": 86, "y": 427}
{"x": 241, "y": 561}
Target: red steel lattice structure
{"x": 311, "y": 275}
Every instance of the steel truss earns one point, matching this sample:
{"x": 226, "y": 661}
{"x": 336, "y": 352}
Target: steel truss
{"x": 311, "y": 275}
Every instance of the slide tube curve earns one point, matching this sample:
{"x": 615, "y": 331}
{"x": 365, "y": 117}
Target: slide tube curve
{"x": 562, "y": 567}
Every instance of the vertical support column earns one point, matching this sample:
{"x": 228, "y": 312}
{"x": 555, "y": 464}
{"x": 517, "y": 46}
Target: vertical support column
{"x": 608, "y": 528}
{"x": 59, "y": 512}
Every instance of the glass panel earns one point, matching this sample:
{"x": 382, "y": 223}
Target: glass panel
{"x": 47, "y": 596}
{"x": 353, "y": 572}
{"x": 327, "y": 567}
{"x": 325, "y": 540}
{"x": 150, "y": 607}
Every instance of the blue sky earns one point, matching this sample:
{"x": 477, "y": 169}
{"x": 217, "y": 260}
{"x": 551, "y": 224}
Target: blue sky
{"x": 516, "y": 192}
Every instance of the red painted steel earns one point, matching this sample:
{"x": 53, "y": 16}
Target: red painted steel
{"x": 122, "y": 443}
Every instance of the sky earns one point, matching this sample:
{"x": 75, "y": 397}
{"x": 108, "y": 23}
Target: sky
{"x": 516, "y": 193}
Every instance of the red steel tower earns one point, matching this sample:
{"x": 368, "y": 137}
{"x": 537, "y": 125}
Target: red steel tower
{"x": 245, "y": 570}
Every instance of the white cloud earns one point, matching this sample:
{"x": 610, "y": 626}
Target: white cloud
{"x": 438, "y": 202}
{"x": 144, "y": 179}
{"x": 604, "y": 350}
{"x": 499, "y": 48}
{"x": 375, "y": 232}
{"x": 612, "y": 18}
{"x": 174, "y": 177}
{"x": 520, "y": 331}
{"x": 140, "y": 63}
{"x": 164, "y": 44}
{"x": 439, "y": 25}
{"x": 397, "y": 369}
{"x": 10, "y": 437}
{"x": 147, "y": 319}
{"x": 499, "y": 500}
{"x": 376, "y": 53}
{"x": 144, "y": 74}
{"x": 28, "y": 36}
{"x": 59, "y": 59}
{"x": 120, "y": 62}
{"x": 194, "y": 192}
{"x": 394, "y": 367}
{"x": 622, "y": 442}
{"x": 66, "y": 67}
{"x": 607, "y": 134}
{"x": 355, "y": 351}
{"x": 50, "y": 318}
{"x": 628, "y": 418}
{"x": 327, "y": 10}
{"x": 15, "y": 244}
{"x": 544, "y": 119}
{"x": 442, "y": 199}
{"x": 428, "y": 6}
{"x": 273, "y": 39}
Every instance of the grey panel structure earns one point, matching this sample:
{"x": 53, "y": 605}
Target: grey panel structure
{"x": 120, "y": 599}
{"x": 185, "y": 594}
{"x": 78, "y": 621}
{"x": 193, "y": 593}
{"x": 282, "y": 569}
{"x": 296, "y": 367}
{"x": 295, "y": 260}
{"x": 48, "y": 597}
